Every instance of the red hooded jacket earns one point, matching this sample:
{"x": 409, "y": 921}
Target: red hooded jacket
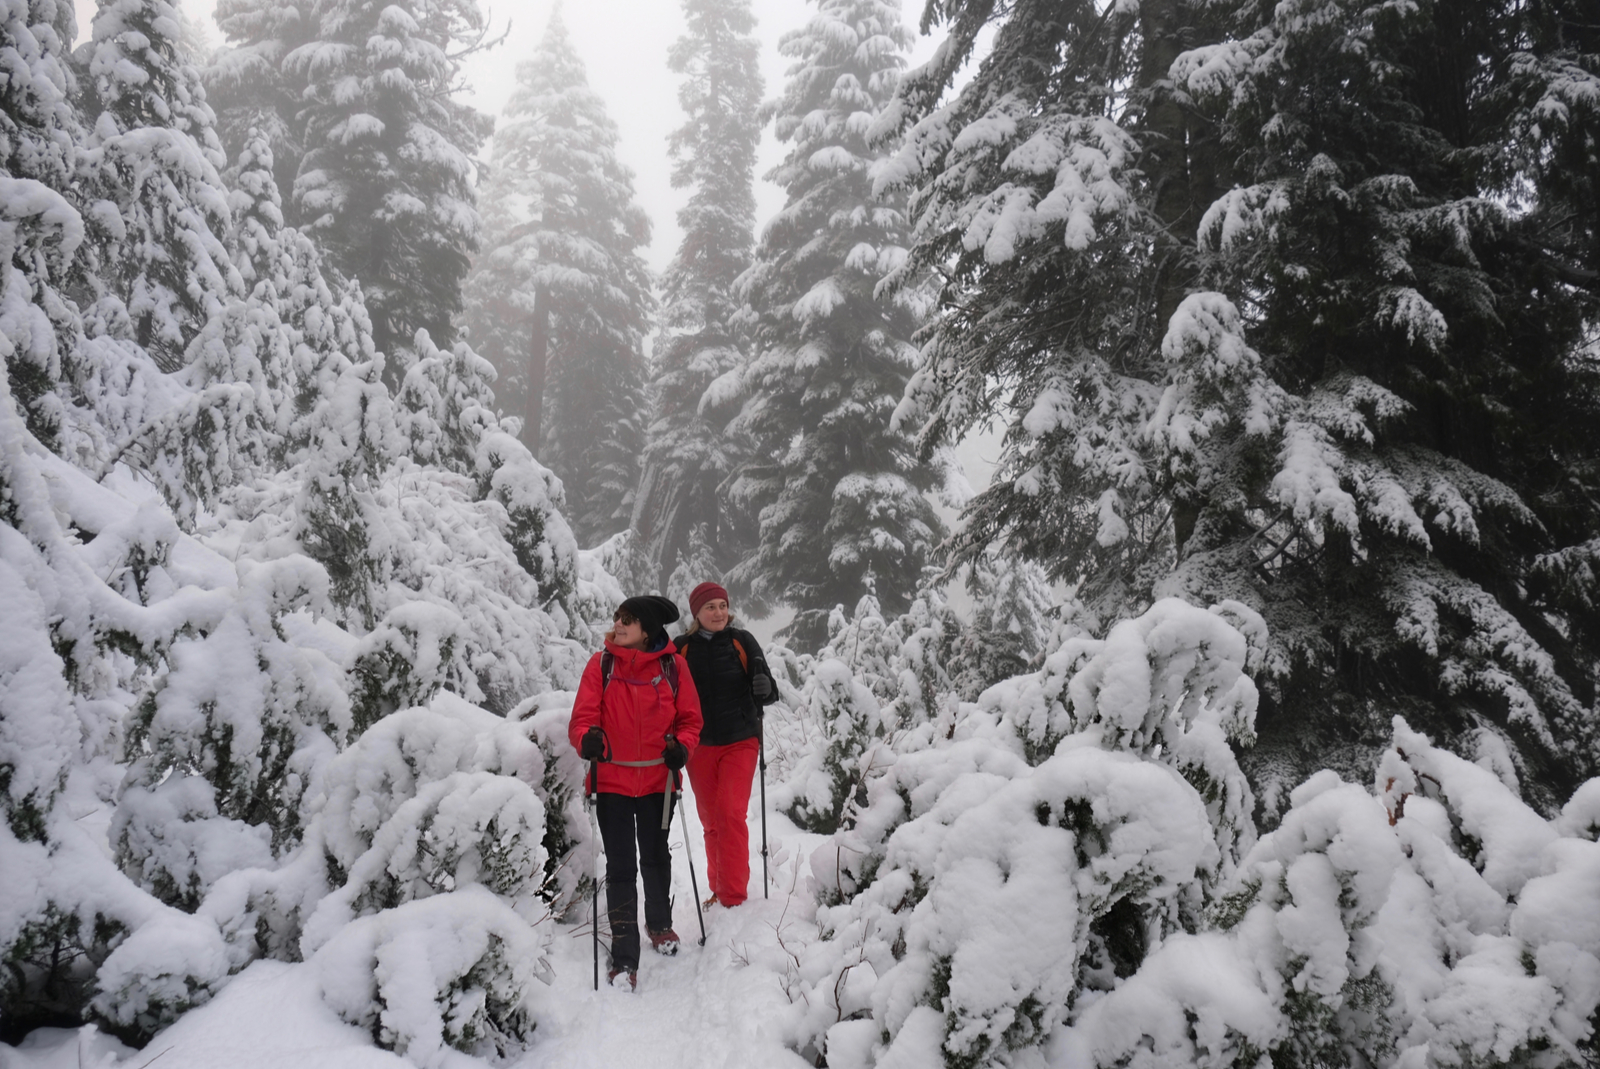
{"x": 636, "y": 712}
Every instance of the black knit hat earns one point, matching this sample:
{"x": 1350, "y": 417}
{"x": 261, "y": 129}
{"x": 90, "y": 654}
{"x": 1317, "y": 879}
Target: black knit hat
{"x": 653, "y": 612}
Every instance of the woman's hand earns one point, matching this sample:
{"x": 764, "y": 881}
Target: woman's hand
{"x": 593, "y": 745}
{"x": 676, "y": 754}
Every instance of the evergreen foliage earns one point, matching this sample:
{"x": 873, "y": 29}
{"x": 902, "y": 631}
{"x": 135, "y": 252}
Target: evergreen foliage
{"x": 1011, "y": 624}
{"x": 1303, "y": 317}
{"x": 196, "y": 672}
{"x": 688, "y": 454}
{"x": 872, "y": 691}
{"x": 250, "y": 87}
{"x": 696, "y": 564}
{"x": 838, "y": 493}
{"x": 563, "y": 259}
{"x": 40, "y": 143}
{"x": 841, "y": 701}
{"x": 38, "y": 126}
{"x": 385, "y": 185}
{"x": 1093, "y": 812}
{"x": 154, "y": 154}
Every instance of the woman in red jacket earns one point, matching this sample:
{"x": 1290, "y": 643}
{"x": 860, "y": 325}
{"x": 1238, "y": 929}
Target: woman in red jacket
{"x": 638, "y": 714}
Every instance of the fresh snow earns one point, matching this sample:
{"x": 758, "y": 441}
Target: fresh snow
{"x": 726, "y": 1004}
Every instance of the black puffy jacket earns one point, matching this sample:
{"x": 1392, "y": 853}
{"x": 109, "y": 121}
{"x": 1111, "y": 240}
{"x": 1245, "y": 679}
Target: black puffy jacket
{"x": 730, "y": 712}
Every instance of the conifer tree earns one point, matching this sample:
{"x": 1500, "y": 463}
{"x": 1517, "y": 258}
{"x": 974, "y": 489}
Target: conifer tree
{"x": 842, "y": 699}
{"x": 688, "y": 454}
{"x": 385, "y": 184}
{"x": 39, "y": 135}
{"x": 252, "y": 89}
{"x": 838, "y": 492}
{"x": 154, "y": 154}
{"x": 1351, "y": 393}
{"x": 562, "y": 266}
{"x": 695, "y": 565}
{"x": 158, "y": 272}
{"x": 38, "y": 126}
{"x": 266, "y": 269}
{"x": 1010, "y": 626}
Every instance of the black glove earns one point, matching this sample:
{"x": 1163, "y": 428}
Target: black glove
{"x": 761, "y": 687}
{"x": 676, "y": 755}
{"x": 592, "y": 747}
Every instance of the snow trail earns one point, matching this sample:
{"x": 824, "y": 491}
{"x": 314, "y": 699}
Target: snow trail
{"x": 710, "y": 1006}
{"x": 721, "y": 1005}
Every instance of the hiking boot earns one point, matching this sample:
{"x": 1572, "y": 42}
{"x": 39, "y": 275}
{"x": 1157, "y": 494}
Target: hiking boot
{"x": 708, "y": 903}
{"x": 664, "y": 942}
{"x": 631, "y": 974}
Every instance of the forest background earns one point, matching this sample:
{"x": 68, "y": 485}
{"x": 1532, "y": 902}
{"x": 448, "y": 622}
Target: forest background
{"x": 1270, "y": 737}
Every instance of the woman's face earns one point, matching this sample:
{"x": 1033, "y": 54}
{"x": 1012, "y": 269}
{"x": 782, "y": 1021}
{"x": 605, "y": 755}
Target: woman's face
{"x": 713, "y": 615}
{"x": 627, "y": 632}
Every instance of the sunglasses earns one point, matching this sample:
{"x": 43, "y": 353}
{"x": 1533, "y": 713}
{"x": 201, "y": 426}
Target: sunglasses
{"x": 624, "y": 617}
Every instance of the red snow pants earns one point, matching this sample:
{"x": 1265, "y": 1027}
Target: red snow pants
{"x": 721, "y": 777}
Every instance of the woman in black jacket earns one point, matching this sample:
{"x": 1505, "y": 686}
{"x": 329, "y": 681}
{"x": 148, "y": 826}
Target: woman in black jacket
{"x": 731, "y": 677}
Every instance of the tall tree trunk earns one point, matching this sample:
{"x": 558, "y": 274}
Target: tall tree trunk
{"x": 1181, "y": 164}
{"x": 538, "y": 358}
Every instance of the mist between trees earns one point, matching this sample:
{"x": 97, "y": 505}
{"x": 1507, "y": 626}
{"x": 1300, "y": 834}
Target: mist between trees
{"x": 328, "y": 443}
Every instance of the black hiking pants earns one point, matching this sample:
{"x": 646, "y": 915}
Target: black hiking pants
{"x": 625, "y": 824}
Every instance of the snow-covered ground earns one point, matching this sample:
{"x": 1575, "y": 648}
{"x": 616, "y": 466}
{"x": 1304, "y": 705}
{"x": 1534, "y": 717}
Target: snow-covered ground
{"x": 721, "y": 1005}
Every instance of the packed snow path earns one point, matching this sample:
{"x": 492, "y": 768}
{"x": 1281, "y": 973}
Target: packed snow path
{"x": 721, "y": 1005}
{"x": 710, "y": 1007}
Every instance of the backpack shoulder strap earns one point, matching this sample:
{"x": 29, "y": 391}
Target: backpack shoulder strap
{"x": 669, "y": 669}
{"x": 681, "y": 643}
{"x": 744, "y": 658}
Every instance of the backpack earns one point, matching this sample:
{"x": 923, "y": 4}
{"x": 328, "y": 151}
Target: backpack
{"x": 668, "y": 668}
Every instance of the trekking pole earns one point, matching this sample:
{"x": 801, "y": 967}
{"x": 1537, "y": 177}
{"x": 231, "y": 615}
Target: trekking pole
{"x": 688, "y": 852}
{"x": 594, "y": 826}
{"x": 761, "y": 743}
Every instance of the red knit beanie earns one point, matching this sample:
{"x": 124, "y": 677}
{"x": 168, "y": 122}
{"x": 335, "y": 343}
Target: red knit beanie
{"x": 703, "y": 593}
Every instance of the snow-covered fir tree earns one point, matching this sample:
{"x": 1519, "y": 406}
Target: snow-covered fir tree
{"x": 1058, "y": 834}
{"x": 838, "y": 492}
{"x": 559, "y": 298}
{"x": 266, "y": 270}
{"x": 696, "y": 564}
{"x": 1011, "y": 623}
{"x": 688, "y": 453}
{"x": 40, "y": 137}
{"x": 158, "y": 270}
{"x": 154, "y": 154}
{"x": 385, "y": 185}
{"x": 251, "y": 88}
{"x": 38, "y": 124}
{"x": 840, "y": 715}
{"x": 1216, "y": 397}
